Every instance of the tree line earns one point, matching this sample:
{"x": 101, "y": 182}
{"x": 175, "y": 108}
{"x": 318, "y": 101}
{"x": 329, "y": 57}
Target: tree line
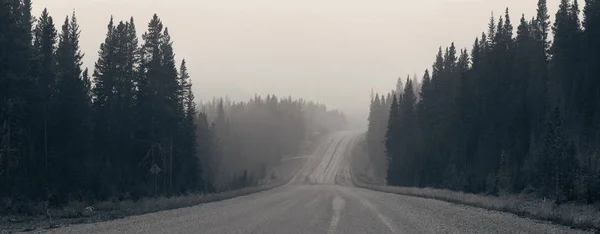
{"x": 518, "y": 113}
{"x": 128, "y": 129}
{"x": 261, "y": 132}
{"x": 379, "y": 113}
{"x": 71, "y": 135}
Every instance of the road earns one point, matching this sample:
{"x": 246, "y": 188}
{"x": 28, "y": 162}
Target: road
{"x": 321, "y": 199}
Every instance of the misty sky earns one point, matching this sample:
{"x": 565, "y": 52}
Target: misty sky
{"x": 331, "y": 51}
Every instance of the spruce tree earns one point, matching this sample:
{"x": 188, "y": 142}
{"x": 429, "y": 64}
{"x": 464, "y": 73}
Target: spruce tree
{"x": 591, "y": 115}
{"x": 491, "y": 30}
{"x": 44, "y": 73}
{"x": 407, "y": 131}
{"x": 391, "y": 144}
{"x": 103, "y": 114}
{"x": 189, "y": 170}
{"x": 557, "y": 163}
{"x": 542, "y": 24}
{"x": 71, "y": 116}
{"x": 565, "y": 81}
{"x": 537, "y": 93}
{"x": 399, "y": 87}
{"x": 16, "y": 97}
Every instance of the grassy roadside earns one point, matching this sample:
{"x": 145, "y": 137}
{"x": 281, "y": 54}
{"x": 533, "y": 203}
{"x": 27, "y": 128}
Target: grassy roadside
{"x": 78, "y": 212}
{"x": 585, "y": 217}
{"x": 579, "y": 216}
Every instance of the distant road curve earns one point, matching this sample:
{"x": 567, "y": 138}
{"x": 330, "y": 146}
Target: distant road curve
{"x": 321, "y": 199}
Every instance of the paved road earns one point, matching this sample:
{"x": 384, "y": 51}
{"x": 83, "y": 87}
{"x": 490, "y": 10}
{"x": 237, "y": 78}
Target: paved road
{"x": 320, "y": 199}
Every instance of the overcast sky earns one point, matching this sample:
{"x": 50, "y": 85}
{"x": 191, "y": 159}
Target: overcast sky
{"x": 331, "y": 51}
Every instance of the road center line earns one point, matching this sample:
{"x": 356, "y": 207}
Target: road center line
{"x": 338, "y": 206}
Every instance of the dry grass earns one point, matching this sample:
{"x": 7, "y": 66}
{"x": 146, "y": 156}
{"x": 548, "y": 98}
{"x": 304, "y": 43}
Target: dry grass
{"x": 31, "y": 216}
{"x": 578, "y": 216}
{"x": 80, "y": 212}
{"x": 149, "y": 205}
{"x": 573, "y": 215}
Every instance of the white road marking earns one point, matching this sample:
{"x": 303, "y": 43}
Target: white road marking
{"x": 338, "y": 206}
{"x": 384, "y": 219}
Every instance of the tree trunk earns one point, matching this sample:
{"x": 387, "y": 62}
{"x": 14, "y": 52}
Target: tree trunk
{"x": 46, "y": 140}
{"x": 170, "y": 164}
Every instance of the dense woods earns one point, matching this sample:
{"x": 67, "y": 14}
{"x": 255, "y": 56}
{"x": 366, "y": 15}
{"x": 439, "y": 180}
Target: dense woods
{"x": 518, "y": 113}
{"x": 259, "y": 133}
{"x": 130, "y": 127}
{"x": 68, "y": 134}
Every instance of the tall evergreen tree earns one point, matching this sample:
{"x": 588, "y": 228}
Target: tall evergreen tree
{"x": 104, "y": 102}
{"x": 491, "y": 31}
{"x": 591, "y": 113}
{"x": 542, "y": 24}
{"x": 44, "y": 73}
{"x": 16, "y": 92}
{"x": 399, "y": 86}
{"x": 565, "y": 82}
{"x": 391, "y": 137}
{"x": 407, "y": 127}
{"x": 71, "y": 117}
{"x": 189, "y": 168}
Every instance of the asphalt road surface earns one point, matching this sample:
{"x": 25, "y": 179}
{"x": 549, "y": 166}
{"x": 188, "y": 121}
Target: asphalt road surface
{"x": 321, "y": 199}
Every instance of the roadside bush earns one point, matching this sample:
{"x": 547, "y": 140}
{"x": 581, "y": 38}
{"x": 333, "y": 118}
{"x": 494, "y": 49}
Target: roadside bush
{"x": 73, "y": 209}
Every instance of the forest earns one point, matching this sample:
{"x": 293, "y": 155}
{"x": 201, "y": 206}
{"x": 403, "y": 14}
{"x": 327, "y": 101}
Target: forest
{"x": 130, "y": 128}
{"x": 515, "y": 114}
{"x": 259, "y": 133}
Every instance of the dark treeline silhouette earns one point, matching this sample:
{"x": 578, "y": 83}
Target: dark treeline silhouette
{"x": 66, "y": 136}
{"x": 519, "y": 113}
{"x": 379, "y": 114}
{"x": 259, "y": 133}
{"x": 130, "y": 128}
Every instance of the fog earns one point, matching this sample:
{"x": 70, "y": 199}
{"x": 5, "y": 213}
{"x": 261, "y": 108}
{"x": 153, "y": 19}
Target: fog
{"x": 333, "y": 52}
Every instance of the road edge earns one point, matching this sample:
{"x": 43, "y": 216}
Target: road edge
{"x": 588, "y": 222}
{"x": 32, "y": 224}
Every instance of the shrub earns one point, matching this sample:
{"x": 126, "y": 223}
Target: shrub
{"x": 73, "y": 209}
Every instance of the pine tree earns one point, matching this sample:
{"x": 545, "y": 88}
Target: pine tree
{"x": 208, "y": 152}
{"x": 591, "y": 114}
{"x": 172, "y": 113}
{"x": 189, "y": 169}
{"x": 85, "y": 76}
{"x": 158, "y": 103}
{"x": 491, "y": 31}
{"x": 372, "y": 130}
{"x": 537, "y": 90}
{"x": 565, "y": 60}
{"x": 523, "y": 106}
{"x": 424, "y": 120}
{"x": 71, "y": 116}
{"x": 542, "y": 24}
{"x": 391, "y": 139}
{"x": 508, "y": 31}
{"x": 16, "y": 97}
{"x": 557, "y": 163}
{"x": 128, "y": 59}
{"x": 591, "y": 23}
{"x": 103, "y": 114}
{"x": 407, "y": 136}
{"x": 44, "y": 72}
{"x": 399, "y": 86}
